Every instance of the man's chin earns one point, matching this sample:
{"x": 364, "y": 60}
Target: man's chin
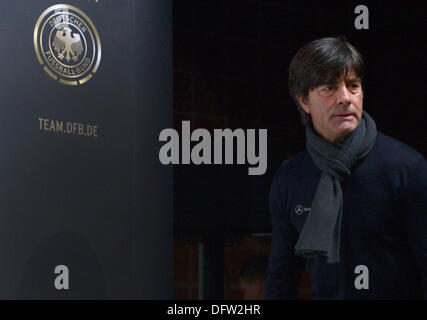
{"x": 346, "y": 127}
{"x": 345, "y": 130}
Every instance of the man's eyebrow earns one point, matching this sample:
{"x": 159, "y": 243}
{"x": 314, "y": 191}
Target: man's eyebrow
{"x": 355, "y": 79}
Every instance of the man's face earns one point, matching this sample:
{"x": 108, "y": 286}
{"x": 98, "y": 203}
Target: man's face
{"x": 335, "y": 108}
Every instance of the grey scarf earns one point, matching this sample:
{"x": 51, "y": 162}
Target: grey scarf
{"x": 320, "y": 235}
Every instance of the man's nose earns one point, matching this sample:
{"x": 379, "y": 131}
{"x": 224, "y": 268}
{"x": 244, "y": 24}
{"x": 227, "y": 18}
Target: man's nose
{"x": 343, "y": 96}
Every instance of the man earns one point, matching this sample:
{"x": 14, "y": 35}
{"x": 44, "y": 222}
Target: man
{"x": 352, "y": 206}
{"x": 252, "y": 277}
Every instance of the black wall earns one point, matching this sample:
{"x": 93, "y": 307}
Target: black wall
{"x": 100, "y": 205}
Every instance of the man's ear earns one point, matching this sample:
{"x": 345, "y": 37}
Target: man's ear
{"x": 304, "y": 104}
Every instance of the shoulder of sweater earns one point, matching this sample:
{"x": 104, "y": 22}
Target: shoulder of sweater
{"x": 393, "y": 151}
{"x": 294, "y": 162}
{"x": 290, "y": 167}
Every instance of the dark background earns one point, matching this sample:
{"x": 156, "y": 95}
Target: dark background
{"x": 230, "y": 67}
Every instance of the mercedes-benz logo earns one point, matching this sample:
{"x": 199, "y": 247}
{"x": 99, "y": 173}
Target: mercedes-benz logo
{"x": 299, "y": 209}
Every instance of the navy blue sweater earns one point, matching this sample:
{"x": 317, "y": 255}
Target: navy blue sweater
{"x": 384, "y": 227}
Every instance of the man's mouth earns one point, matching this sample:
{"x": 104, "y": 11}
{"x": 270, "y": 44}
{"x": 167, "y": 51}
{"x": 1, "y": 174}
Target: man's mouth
{"x": 344, "y": 116}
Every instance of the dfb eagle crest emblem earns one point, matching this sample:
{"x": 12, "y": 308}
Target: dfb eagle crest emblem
{"x": 67, "y": 44}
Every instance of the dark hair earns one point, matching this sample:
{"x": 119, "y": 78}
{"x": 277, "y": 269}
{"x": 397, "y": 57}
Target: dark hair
{"x": 254, "y": 269}
{"x": 321, "y": 62}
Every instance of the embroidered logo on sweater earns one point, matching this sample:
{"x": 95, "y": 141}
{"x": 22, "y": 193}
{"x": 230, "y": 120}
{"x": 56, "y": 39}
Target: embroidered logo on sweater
{"x": 300, "y": 209}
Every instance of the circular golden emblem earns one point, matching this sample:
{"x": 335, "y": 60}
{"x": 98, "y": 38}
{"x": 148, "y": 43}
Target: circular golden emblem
{"x": 67, "y": 44}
